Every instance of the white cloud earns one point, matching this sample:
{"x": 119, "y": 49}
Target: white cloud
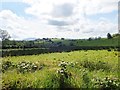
{"x": 60, "y": 18}
{"x": 21, "y": 28}
{"x": 15, "y": 25}
{"x": 89, "y": 7}
{"x": 69, "y": 10}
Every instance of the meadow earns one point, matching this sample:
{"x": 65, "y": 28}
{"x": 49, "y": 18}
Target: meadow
{"x": 75, "y": 69}
{"x": 19, "y": 48}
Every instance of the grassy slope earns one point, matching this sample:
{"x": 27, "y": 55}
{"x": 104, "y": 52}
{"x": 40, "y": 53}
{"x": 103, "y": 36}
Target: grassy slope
{"x": 101, "y": 42}
{"x": 46, "y": 77}
{"x": 80, "y": 42}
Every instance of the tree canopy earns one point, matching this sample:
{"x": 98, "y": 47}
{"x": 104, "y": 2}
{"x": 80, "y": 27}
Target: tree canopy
{"x": 4, "y": 35}
{"x": 109, "y": 36}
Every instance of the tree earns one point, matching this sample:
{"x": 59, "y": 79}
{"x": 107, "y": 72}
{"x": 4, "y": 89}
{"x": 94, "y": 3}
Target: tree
{"x": 99, "y": 38}
{"x": 89, "y": 39}
{"x": 109, "y": 36}
{"x": 4, "y": 34}
{"x": 71, "y": 44}
{"x": 62, "y": 39}
{"x": 117, "y": 35}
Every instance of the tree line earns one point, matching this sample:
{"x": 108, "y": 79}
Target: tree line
{"x": 47, "y": 42}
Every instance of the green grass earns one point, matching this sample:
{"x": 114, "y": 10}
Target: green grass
{"x": 47, "y": 77}
{"x": 101, "y": 42}
{"x": 80, "y": 42}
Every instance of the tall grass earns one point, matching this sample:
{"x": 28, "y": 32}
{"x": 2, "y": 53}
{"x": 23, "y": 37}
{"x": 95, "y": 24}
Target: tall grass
{"x": 79, "y": 69}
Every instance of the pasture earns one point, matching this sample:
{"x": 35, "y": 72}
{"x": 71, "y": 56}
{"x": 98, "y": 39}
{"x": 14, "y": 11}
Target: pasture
{"x": 75, "y": 69}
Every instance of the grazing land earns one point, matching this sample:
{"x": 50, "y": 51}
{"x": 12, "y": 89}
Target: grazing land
{"x": 61, "y": 63}
{"x": 47, "y": 45}
{"x": 59, "y": 44}
{"x": 76, "y": 69}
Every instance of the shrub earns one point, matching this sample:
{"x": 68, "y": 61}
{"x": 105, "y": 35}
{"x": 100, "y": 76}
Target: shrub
{"x": 95, "y": 65}
{"x": 109, "y": 36}
{"x": 64, "y": 75}
{"x": 26, "y": 67}
{"x": 107, "y": 83}
{"x": 63, "y": 71}
{"x": 6, "y": 65}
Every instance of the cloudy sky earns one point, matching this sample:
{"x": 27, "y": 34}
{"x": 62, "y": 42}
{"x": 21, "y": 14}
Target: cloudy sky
{"x": 59, "y": 18}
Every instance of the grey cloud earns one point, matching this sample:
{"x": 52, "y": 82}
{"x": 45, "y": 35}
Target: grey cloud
{"x": 63, "y": 29}
{"x": 63, "y": 10}
{"x": 77, "y": 30}
{"x": 58, "y": 23}
{"x": 89, "y": 31}
{"x": 14, "y": 36}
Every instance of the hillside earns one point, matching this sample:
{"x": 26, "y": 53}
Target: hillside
{"x": 48, "y": 45}
{"x": 54, "y": 42}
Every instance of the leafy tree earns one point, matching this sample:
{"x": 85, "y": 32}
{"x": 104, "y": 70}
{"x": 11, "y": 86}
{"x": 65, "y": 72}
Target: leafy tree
{"x": 99, "y": 38}
{"x": 62, "y": 39}
{"x": 71, "y": 44}
{"x": 4, "y": 34}
{"x": 89, "y": 39}
{"x": 109, "y": 36}
{"x": 117, "y": 35}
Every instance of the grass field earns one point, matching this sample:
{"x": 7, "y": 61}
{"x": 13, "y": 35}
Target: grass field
{"x": 101, "y": 42}
{"x": 76, "y": 69}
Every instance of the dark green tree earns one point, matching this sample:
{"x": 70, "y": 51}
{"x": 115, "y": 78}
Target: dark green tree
{"x": 117, "y": 35}
{"x": 109, "y": 36}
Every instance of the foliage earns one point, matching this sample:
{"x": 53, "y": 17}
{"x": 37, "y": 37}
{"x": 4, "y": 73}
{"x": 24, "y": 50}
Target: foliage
{"x": 65, "y": 75}
{"x": 86, "y": 80}
{"x": 35, "y": 51}
{"x": 107, "y": 83}
{"x": 7, "y": 65}
{"x": 63, "y": 70}
{"x": 21, "y": 67}
{"x": 49, "y": 43}
{"x": 26, "y": 67}
{"x": 109, "y": 36}
{"x": 76, "y": 70}
{"x": 96, "y": 65}
{"x": 4, "y": 34}
{"x": 117, "y": 35}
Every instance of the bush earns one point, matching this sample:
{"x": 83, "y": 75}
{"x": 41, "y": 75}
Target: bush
{"x": 64, "y": 75}
{"x": 95, "y": 65}
{"x": 27, "y": 67}
{"x": 109, "y": 36}
{"x": 6, "y": 65}
{"x": 107, "y": 83}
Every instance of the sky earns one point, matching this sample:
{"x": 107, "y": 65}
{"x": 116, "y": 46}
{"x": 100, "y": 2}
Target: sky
{"x": 75, "y": 19}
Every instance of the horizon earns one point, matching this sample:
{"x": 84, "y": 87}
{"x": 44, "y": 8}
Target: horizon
{"x": 75, "y": 19}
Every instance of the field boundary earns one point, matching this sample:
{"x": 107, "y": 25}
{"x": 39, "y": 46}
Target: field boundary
{"x": 21, "y": 52}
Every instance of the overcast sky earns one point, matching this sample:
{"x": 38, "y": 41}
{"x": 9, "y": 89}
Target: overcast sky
{"x": 59, "y": 18}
